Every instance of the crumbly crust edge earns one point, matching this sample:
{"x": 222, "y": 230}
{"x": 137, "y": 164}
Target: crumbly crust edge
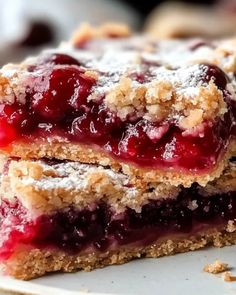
{"x": 43, "y": 188}
{"x": 27, "y": 265}
{"x": 92, "y": 155}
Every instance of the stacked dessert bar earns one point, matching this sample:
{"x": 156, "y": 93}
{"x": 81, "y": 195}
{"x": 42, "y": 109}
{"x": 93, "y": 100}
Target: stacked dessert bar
{"x": 115, "y": 147}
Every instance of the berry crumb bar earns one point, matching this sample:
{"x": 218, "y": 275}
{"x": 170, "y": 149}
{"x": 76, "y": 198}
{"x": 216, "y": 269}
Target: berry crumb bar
{"x": 116, "y": 146}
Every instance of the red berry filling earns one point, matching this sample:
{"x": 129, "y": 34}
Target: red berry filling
{"x": 57, "y": 105}
{"x": 63, "y": 91}
{"x": 73, "y": 230}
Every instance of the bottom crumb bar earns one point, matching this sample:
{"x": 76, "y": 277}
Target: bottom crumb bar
{"x": 64, "y": 216}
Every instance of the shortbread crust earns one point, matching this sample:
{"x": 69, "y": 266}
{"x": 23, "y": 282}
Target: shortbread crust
{"x": 34, "y": 263}
{"x": 92, "y": 155}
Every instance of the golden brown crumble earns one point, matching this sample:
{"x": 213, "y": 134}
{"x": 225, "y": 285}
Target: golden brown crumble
{"x": 12, "y": 86}
{"x": 208, "y": 102}
{"x": 31, "y": 263}
{"x": 223, "y": 56}
{"x": 216, "y": 267}
{"x": 228, "y": 277}
{"x": 86, "y": 32}
{"x": 155, "y": 100}
{"x": 92, "y": 74}
{"x": 178, "y": 21}
{"x": 125, "y": 99}
{"x": 42, "y": 187}
{"x": 158, "y": 100}
{"x": 6, "y": 92}
{"x": 30, "y": 169}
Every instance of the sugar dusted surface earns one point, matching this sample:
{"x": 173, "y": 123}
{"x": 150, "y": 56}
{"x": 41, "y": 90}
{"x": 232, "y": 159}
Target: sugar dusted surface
{"x": 43, "y": 187}
{"x": 72, "y": 175}
{"x": 172, "y": 62}
{"x": 46, "y": 186}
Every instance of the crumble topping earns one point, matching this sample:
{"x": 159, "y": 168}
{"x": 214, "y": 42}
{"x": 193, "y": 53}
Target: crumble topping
{"x": 125, "y": 99}
{"x": 171, "y": 86}
{"x": 92, "y": 74}
{"x": 158, "y": 100}
{"x": 216, "y": 267}
{"x": 6, "y": 92}
{"x": 226, "y": 55}
{"x": 12, "y": 78}
{"x": 45, "y": 186}
{"x": 168, "y": 97}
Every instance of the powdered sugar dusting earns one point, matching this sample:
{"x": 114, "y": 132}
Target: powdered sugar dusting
{"x": 76, "y": 176}
{"x": 170, "y": 60}
{"x": 186, "y": 80}
{"x": 173, "y": 61}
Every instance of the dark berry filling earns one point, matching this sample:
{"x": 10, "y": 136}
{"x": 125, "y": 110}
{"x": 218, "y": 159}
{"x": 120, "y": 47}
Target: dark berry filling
{"x": 57, "y": 105}
{"x": 214, "y": 73}
{"x": 73, "y": 230}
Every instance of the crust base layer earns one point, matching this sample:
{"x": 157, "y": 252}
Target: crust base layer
{"x": 29, "y": 264}
{"x": 91, "y": 155}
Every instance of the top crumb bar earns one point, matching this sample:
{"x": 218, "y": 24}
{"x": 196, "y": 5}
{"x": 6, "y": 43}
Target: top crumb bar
{"x": 158, "y": 110}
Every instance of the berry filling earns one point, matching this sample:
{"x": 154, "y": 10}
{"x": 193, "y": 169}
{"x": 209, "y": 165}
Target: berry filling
{"x": 57, "y": 106}
{"x": 99, "y": 227}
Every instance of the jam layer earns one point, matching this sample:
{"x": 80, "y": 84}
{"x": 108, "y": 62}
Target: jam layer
{"x": 100, "y": 228}
{"x": 57, "y": 106}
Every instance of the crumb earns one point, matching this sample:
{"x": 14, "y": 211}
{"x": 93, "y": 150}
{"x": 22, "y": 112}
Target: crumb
{"x": 231, "y": 227}
{"x": 216, "y": 267}
{"x": 227, "y": 277}
{"x": 91, "y": 74}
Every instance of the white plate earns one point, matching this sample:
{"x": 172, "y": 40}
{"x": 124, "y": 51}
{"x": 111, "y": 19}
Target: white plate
{"x": 179, "y": 275}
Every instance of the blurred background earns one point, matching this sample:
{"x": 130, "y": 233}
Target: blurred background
{"x": 27, "y": 26}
